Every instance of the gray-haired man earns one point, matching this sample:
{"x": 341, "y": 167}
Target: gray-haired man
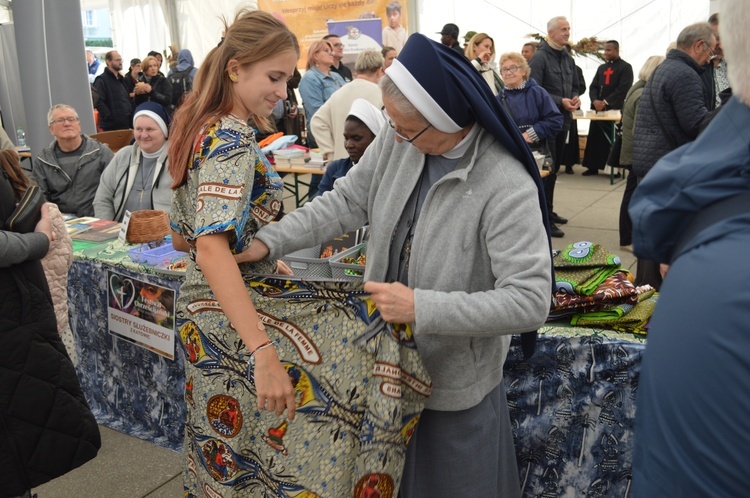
{"x": 68, "y": 169}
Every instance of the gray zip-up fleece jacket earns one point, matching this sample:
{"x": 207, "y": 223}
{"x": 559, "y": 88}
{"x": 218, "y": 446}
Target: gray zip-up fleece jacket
{"x": 74, "y": 194}
{"x": 118, "y": 178}
{"x": 480, "y": 261}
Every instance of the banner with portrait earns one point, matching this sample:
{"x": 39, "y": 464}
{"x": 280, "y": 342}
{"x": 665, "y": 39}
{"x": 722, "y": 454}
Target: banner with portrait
{"x": 387, "y": 22}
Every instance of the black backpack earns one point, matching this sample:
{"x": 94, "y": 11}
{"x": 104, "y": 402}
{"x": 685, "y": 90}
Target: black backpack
{"x": 181, "y": 84}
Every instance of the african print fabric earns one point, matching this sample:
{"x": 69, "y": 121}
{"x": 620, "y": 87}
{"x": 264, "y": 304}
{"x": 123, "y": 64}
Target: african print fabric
{"x": 617, "y": 289}
{"x": 359, "y": 383}
{"x": 581, "y": 267}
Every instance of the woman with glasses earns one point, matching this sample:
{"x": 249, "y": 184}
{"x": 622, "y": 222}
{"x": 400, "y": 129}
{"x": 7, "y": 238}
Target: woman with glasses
{"x": 530, "y": 106}
{"x": 458, "y": 252}
{"x": 481, "y": 52}
{"x": 316, "y": 87}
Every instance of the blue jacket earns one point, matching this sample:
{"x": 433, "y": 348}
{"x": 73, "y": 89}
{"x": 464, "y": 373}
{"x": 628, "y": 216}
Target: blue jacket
{"x": 533, "y": 110}
{"x": 693, "y": 393}
{"x": 680, "y": 104}
{"x": 690, "y": 179}
{"x": 315, "y": 88}
{"x": 334, "y": 171}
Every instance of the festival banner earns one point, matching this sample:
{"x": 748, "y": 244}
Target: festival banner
{"x": 311, "y": 20}
{"x": 141, "y": 313}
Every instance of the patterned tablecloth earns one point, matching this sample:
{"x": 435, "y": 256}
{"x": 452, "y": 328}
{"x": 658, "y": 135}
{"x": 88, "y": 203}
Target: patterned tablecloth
{"x": 572, "y": 410}
{"x": 572, "y": 405}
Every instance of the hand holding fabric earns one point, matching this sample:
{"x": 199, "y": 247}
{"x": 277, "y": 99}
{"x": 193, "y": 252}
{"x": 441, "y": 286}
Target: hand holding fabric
{"x": 395, "y": 301}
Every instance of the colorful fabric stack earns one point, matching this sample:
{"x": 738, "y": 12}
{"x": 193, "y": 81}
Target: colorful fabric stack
{"x": 582, "y": 267}
{"x": 615, "y": 290}
{"x": 593, "y": 290}
{"x": 623, "y": 317}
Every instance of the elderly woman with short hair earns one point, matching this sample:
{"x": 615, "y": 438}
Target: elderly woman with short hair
{"x": 530, "y": 106}
{"x": 458, "y": 252}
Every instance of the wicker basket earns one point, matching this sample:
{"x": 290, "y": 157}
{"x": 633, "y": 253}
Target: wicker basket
{"x": 147, "y": 225}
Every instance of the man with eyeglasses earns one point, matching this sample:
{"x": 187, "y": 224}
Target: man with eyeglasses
{"x": 338, "y": 55}
{"x": 68, "y": 169}
{"x": 114, "y": 105}
{"x": 670, "y": 112}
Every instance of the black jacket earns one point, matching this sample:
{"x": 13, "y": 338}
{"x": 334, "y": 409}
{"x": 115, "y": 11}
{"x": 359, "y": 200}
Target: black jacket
{"x": 612, "y": 81}
{"x": 46, "y": 427}
{"x": 678, "y": 94}
{"x": 161, "y": 92}
{"x": 114, "y": 105}
{"x": 556, "y": 72}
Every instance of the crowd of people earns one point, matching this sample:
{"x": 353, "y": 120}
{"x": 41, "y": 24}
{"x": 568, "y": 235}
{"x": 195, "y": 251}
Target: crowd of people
{"x": 430, "y": 144}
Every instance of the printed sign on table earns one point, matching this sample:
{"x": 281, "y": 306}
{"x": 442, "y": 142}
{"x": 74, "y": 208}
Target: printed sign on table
{"x": 141, "y": 313}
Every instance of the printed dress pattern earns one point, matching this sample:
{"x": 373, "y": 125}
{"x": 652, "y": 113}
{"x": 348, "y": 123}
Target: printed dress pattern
{"x": 359, "y": 383}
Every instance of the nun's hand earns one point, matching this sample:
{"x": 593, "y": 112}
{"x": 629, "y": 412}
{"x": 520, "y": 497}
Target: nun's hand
{"x": 394, "y": 301}
{"x": 257, "y": 251}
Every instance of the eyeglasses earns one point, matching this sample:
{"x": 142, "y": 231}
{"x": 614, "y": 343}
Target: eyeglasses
{"x": 510, "y": 70}
{"x": 713, "y": 55}
{"x": 338, "y": 45}
{"x": 393, "y": 125}
{"x": 325, "y": 51}
{"x": 59, "y": 121}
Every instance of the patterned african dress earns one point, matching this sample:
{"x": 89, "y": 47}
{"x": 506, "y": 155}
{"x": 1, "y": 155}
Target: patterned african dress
{"x": 359, "y": 383}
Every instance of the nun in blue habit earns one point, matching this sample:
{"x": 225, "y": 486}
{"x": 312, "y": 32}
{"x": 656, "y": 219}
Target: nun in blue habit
{"x": 459, "y": 249}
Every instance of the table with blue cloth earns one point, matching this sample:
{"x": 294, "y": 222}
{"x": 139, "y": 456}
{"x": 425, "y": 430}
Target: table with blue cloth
{"x": 572, "y": 409}
{"x": 572, "y": 405}
{"x": 129, "y": 388}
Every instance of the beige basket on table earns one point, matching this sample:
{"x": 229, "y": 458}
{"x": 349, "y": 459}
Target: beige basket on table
{"x": 147, "y": 225}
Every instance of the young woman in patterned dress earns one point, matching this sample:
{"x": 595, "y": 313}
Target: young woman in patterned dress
{"x": 224, "y": 191}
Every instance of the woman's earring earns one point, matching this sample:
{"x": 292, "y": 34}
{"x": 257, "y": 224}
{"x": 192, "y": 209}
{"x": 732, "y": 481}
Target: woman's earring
{"x": 233, "y": 77}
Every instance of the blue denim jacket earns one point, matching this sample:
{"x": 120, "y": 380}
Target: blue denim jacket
{"x": 316, "y": 88}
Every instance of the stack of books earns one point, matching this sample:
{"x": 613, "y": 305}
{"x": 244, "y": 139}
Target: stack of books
{"x": 92, "y": 229}
{"x": 297, "y": 156}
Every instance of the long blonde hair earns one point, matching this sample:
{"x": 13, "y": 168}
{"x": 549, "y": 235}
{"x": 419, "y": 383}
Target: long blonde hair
{"x": 254, "y": 36}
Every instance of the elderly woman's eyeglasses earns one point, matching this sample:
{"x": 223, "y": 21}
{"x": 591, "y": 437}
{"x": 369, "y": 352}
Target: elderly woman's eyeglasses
{"x": 393, "y": 125}
{"x": 509, "y": 70}
{"x": 325, "y": 51}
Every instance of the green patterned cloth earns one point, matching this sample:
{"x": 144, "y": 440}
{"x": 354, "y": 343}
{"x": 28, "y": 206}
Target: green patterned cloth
{"x": 582, "y": 266}
{"x": 624, "y": 317}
